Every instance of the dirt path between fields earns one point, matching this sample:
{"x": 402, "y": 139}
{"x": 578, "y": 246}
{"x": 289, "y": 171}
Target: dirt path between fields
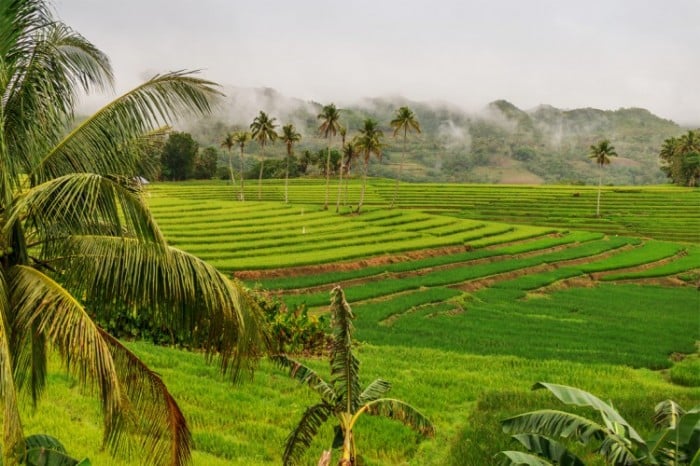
{"x": 253, "y": 275}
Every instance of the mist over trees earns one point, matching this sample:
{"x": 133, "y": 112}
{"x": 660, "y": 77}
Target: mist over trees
{"x": 500, "y": 144}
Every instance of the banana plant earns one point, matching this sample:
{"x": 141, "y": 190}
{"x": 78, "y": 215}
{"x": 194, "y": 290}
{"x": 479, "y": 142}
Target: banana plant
{"x": 342, "y": 397}
{"x": 676, "y": 442}
{"x": 45, "y": 450}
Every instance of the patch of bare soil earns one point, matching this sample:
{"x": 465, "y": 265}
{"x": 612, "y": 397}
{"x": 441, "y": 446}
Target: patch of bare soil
{"x": 347, "y": 265}
{"x": 427, "y": 270}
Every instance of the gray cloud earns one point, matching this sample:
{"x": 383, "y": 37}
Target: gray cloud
{"x": 599, "y": 53}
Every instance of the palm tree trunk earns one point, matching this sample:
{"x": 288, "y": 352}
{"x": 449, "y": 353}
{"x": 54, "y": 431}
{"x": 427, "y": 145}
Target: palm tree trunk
{"x": 347, "y": 182}
{"x": 262, "y": 161}
{"x": 364, "y": 185}
{"x": 242, "y": 196}
{"x": 328, "y": 173}
{"x": 340, "y": 185}
{"x": 600, "y": 184}
{"x": 398, "y": 178}
{"x": 286, "y": 181}
{"x": 230, "y": 171}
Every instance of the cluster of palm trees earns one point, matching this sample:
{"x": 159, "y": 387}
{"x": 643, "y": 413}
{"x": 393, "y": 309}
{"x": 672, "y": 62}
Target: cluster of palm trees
{"x": 363, "y": 145}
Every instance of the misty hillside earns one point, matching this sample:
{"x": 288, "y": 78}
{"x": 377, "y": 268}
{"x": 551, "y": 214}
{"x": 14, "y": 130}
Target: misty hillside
{"x": 500, "y": 144}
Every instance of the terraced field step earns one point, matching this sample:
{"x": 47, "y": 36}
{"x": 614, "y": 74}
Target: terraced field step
{"x": 245, "y": 235}
{"x": 660, "y": 212}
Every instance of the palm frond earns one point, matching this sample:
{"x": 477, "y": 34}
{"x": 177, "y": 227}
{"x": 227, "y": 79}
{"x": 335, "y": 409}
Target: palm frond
{"x": 76, "y": 203}
{"x": 345, "y": 367}
{"x": 549, "y": 449}
{"x": 552, "y": 423}
{"x": 46, "y": 79}
{"x": 43, "y": 305}
{"x": 374, "y": 391}
{"x": 518, "y": 458}
{"x": 165, "y": 438}
{"x": 13, "y": 434}
{"x": 617, "y": 450}
{"x": 177, "y": 290}
{"x": 307, "y": 376}
{"x": 98, "y": 144}
{"x": 681, "y": 440}
{"x": 303, "y": 434}
{"x": 667, "y": 414}
{"x": 578, "y": 397}
{"x": 402, "y": 412}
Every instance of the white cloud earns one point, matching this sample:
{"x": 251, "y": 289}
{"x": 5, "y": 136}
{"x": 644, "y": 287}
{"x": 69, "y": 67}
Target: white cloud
{"x": 600, "y": 53}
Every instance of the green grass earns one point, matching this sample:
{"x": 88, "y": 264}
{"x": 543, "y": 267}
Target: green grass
{"x": 686, "y": 372}
{"x": 465, "y": 355}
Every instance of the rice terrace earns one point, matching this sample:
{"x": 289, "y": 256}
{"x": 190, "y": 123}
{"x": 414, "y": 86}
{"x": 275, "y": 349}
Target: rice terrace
{"x": 464, "y": 296}
{"x": 246, "y": 303}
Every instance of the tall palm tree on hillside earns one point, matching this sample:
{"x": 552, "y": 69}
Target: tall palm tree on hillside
{"x": 289, "y": 136}
{"x": 330, "y": 125}
{"x": 404, "y": 120}
{"x": 601, "y": 154}
{"x": 241, "y": 138}
{"x": 263, "y": 131}
{"x": 369, "y": 142}
{"x": 227, "y": 143}
{"x": 78, "y": 242}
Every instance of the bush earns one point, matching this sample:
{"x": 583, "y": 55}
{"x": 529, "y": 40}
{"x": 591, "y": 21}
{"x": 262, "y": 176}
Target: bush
{"x": 293, "y": 331}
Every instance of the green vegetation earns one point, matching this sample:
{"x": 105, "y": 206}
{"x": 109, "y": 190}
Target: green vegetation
{"x": 681, "y": 159}
{"x": 614, "y": 438}
{"x": 501, "y": 144}
{"x": 341, "y": 396}
{"x": 78, "y": 242}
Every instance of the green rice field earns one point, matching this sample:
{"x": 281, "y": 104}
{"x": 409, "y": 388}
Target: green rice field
{"x": 464, "y": 296}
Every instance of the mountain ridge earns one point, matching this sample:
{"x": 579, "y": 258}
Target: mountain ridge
{"x": 500, "y": 144}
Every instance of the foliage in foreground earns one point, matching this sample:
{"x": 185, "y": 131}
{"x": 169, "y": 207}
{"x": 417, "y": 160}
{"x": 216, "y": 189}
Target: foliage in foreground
{"x": 676, "y": 443}
{"x": 75, "y": 230}
{"x": 342, "y": 396}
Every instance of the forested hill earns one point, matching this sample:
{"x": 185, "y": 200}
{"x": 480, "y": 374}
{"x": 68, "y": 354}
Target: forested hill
{"x": 500, "y": 144}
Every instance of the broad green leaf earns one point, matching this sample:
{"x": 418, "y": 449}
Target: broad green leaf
{"x": 549, "y": 448}
{"x": 402, "y": 412}
{"x": 552, "y": 423}
{"x": 518, "y": 458}
{"x": 578, "y": 397}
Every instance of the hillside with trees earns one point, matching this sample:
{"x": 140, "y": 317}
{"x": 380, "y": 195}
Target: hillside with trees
{"x": 499, "y": 144}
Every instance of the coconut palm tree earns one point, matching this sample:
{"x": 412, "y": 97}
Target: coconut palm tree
{"x": 369, "y": 142}
{"x": 330, "y": 125}
{"x": 342, "y": 397}
{"x": 404, "y": 120}
{"x": 601, "y": 153}
{"x": 77, "y": 240}
{"x": 262, "y": 130}
{"x": 289, "y": 136}
{"x": 241, "y": 138}
{"x": 227, "y": 143}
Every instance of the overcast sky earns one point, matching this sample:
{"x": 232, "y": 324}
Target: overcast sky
{"x": 586, "y": 53}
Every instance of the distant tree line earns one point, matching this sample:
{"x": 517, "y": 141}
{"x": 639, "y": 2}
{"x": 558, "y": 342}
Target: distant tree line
{"x": 180, "y": 157}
